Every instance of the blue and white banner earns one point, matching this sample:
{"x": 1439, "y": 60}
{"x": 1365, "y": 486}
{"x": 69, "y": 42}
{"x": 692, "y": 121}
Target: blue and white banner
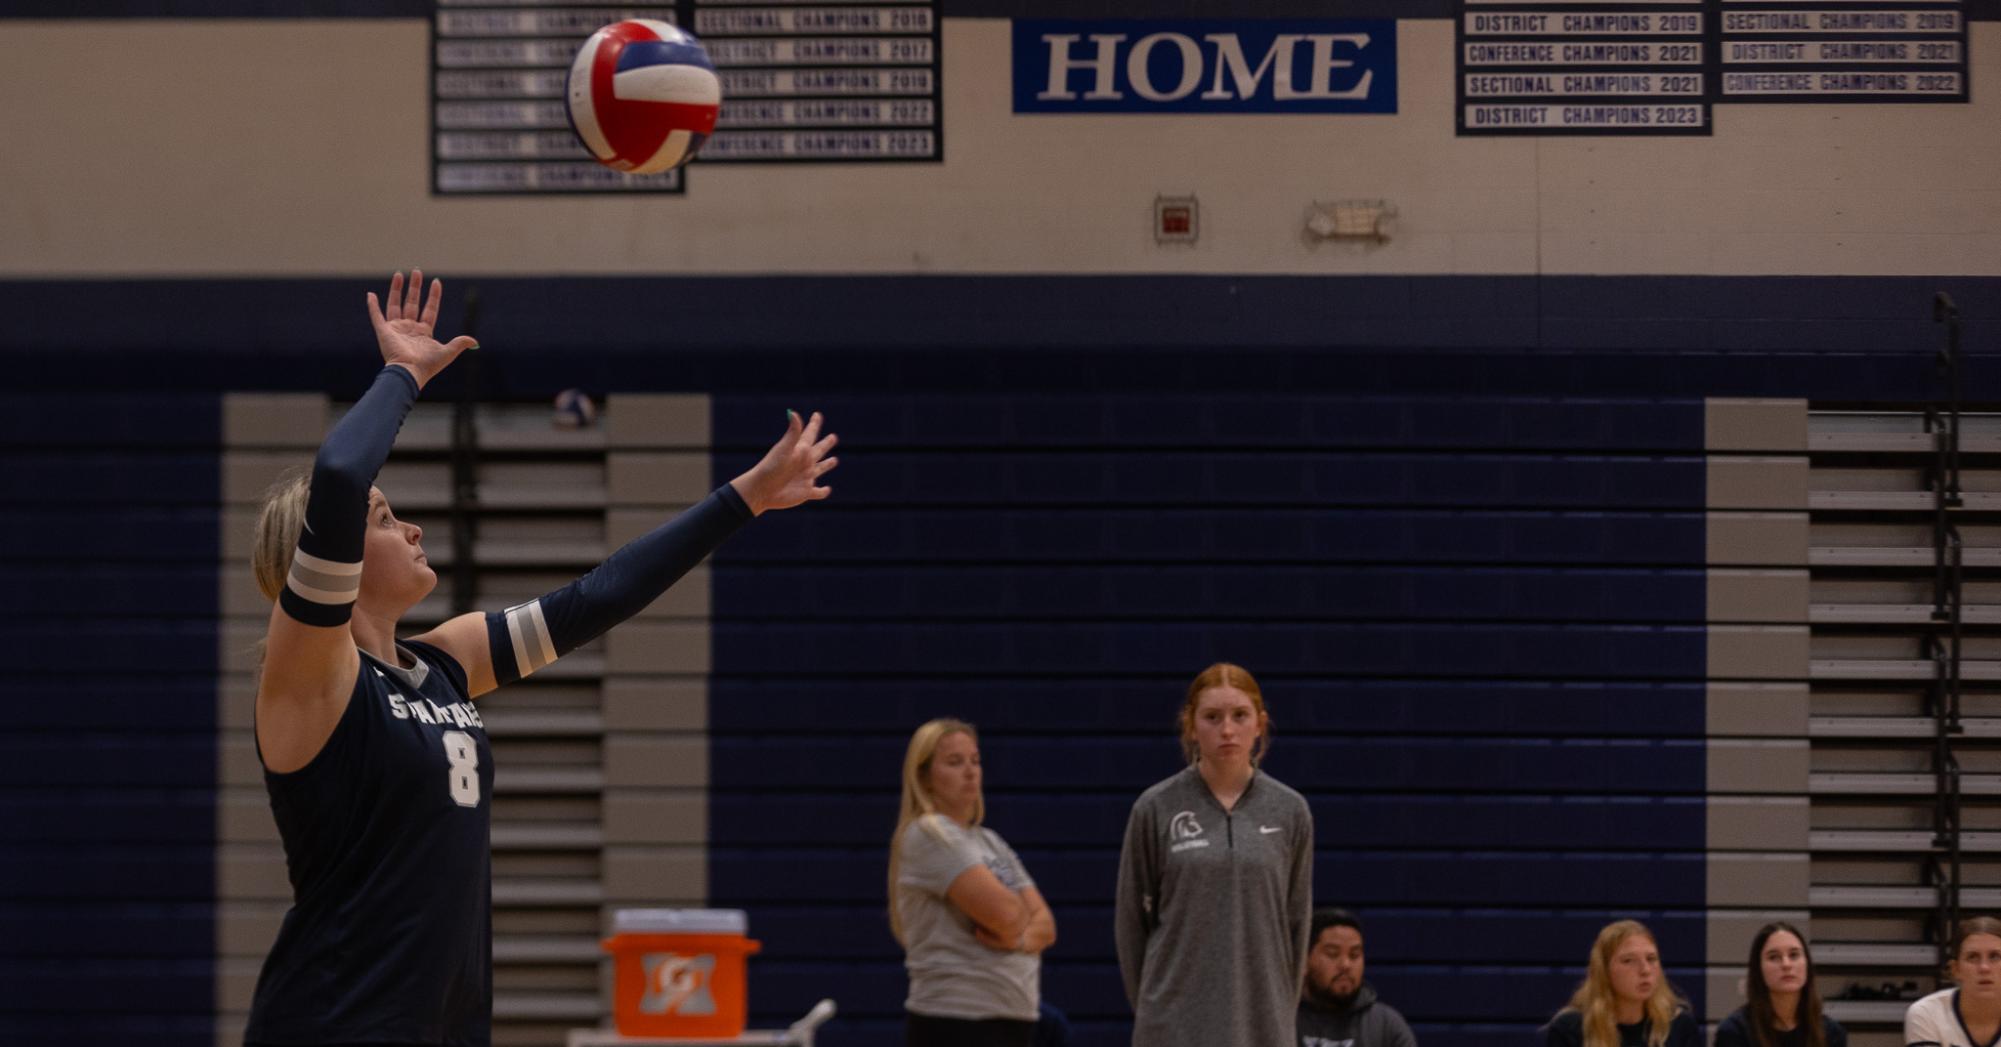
{"x": 1342, "y": 65}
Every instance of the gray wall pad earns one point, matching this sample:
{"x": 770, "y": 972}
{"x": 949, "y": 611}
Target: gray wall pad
{"x": 1759, "y": 595}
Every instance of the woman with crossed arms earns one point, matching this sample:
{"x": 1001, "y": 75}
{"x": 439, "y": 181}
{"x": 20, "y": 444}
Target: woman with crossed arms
{"x": 972, "y": 924}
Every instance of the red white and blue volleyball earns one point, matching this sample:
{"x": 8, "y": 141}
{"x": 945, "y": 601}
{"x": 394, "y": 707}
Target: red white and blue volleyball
{"x": 643, "y": 96}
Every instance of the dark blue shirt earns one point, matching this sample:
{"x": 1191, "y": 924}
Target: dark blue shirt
{"x": 1567, "y": 1030}
{"x": 386, "y": 832}
{"x": 1735, "y": 1031}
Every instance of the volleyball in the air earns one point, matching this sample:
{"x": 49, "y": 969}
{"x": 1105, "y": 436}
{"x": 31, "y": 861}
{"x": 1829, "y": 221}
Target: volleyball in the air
{"x": 643, "y": 96}
{"x": 574, "y": 410}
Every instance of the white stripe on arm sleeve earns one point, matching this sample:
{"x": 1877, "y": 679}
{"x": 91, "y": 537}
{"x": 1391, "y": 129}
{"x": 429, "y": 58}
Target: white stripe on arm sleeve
{"x": 324, "y": 581}
{"x": 528, "y": 635}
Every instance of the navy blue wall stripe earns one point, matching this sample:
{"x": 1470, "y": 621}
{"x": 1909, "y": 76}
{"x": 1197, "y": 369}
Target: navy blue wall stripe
{"x": 1829, "y": 338}
{"x": 1588, "y": 767}
{"x": 1222, "y": 422}
{"x": 1252, "y": 536}
{"x": 1377, "y": 821}
{"x": 1272, "y": 479}
{"x": 1173, "y": 592}
{"x": 108, "y": 556}
{"x": 1100, "y": 648}
{"x": 1397, "y": 936}
{"x": 1025, "y": 703}
{"x": 1479, "y": 620}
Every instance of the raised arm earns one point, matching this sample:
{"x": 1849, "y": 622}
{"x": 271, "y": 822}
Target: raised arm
{"x": 310, "y": 659}
{"x": 503, "y": 646}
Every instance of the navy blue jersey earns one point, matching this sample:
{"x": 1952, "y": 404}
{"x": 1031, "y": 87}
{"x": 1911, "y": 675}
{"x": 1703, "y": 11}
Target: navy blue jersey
{"x": 390, "y": 934}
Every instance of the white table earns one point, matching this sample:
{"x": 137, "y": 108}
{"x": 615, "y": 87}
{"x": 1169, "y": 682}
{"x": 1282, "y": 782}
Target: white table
{"x": 800, "y": 1034}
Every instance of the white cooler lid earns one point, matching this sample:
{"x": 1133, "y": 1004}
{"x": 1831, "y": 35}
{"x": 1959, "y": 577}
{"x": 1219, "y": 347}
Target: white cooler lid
{"x": 678, "y": 921}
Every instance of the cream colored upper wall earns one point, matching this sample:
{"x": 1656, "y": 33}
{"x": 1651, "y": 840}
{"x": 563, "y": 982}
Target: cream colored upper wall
{"x": 299, "y": 148}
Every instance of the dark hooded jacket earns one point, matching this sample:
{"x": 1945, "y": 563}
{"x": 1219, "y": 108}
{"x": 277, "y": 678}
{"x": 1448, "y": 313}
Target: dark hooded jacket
{"x": 1365, "y": 1022}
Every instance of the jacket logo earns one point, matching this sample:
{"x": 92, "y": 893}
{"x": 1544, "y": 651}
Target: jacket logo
{"x": 1186, "y": 831}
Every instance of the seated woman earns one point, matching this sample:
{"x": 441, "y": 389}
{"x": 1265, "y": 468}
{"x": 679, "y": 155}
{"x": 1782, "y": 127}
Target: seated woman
{"x": 1784, "y": 1008}
{"x": 1625, "y": 999}
{"x": 1969, "y": 1013}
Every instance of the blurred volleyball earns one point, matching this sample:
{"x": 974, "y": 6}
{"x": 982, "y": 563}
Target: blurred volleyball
{"x": 643, "y": 96}
{"x": 574, "y": 410}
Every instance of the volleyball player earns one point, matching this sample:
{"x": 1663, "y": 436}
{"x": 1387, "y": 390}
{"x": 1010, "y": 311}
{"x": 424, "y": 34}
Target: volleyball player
{"x": 1215, "y": 891}
{"x": 375, "y": 758}
{"x": 1969, "y": 1013}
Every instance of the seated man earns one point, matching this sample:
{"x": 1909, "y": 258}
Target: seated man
{"x": 1339, "y": 1009}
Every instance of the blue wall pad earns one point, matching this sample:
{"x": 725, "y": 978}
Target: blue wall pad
{"x": 107, "y": 720}
{"x": 1144, "y": 705}
{"x": 1221, "y": 421}
{"x": 1169, "y": 592}
{"x": 1647, "y": 337}
{"x": 1089, "y": 535}
{"x": 1478, "y": 619}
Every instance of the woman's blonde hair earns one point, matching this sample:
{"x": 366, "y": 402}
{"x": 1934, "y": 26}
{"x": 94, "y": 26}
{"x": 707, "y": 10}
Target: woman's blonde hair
{"x": 1596, "y": 1003}
{"x": 276, "y": 537}
{"x": 917, "y": 798}
{"x": 279, "y": 525}
{"x": 1223, "y": 674}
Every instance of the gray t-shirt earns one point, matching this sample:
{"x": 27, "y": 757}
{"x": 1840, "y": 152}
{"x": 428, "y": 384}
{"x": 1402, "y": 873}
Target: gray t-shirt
{"x": 951, "y": 974}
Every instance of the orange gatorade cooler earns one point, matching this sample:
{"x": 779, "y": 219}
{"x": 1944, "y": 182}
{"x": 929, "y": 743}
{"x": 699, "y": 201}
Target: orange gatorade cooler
{"x": 679, "y": 972}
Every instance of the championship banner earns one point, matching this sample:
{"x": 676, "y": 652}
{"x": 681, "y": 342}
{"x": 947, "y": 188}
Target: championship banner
{"x": 1602, "y": 68}
{"x": 806, "y": 82}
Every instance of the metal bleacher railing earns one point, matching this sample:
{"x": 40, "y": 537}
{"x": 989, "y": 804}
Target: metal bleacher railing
{"x": 1944, "y": 642}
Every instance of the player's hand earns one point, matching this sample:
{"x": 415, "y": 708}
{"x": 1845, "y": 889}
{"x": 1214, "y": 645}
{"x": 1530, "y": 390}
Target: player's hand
{"x": 790, "y": 472}
{"x": 403, "y": 329}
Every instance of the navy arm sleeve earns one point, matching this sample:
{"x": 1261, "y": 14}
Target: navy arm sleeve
{"x": 525, "y": 638}
{"x": 326, "y": 568}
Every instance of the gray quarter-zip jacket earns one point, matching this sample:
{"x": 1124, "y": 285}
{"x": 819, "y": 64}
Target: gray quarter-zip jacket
{"x": 1213, "y": 910}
